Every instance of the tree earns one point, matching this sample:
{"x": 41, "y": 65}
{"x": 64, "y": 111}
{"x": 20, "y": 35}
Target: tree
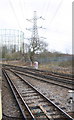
{"x": 35, "y": 46}
{"x": 14, "y": 49}
{"x": 4, "y": 51}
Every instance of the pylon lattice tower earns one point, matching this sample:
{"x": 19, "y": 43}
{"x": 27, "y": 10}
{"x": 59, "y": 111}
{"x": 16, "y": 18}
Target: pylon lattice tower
{"x": 35, "y": 36}
{"x": 35, "y": 44}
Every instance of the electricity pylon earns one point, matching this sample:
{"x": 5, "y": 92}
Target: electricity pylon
{"x": 35, "y": 43}
{"x": 34, "y": 30}
{"x": 35, "y": 35}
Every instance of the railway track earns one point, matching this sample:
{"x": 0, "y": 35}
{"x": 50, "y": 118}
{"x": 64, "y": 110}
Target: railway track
{"x": 64, "y": 78}
{"x": 32, "y": 103}
{"x": 45, "y": 78}
{"x": 46, "y": 72}
{"x": 21, "y": 103}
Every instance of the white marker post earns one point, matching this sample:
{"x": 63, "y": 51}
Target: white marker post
{"x": 36, "y": 65}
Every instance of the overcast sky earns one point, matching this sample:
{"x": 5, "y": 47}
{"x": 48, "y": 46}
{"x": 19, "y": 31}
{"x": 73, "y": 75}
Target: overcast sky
{"x": 57, "y": 15}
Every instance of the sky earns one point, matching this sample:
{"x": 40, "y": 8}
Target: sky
{"x": 57, "y": 21}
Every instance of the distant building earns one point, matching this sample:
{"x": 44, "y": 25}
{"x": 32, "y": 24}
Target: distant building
{"x": 12, "y": 39}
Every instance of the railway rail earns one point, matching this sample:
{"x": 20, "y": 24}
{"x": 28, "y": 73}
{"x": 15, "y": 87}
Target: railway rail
{"x": 66, "y": 82}
{"x": 66, "y": 78}
{"x": 46, "y": 72}
{"x": 32, "y": 103}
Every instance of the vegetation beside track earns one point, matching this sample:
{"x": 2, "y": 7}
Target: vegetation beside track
{"x": 56, "y": 62}
{"x": 62, "y": 67}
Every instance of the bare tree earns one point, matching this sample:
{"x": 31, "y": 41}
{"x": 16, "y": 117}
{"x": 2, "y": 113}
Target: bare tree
{"x": 36, "y": 46}
{"x": 4, "y": 51}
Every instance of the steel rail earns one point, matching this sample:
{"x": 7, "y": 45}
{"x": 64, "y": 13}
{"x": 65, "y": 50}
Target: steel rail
{"x": 69, "y": 76}
{"x": 51, "y": 76}
{"x": 68, "y": 117}
{"x": 41, "y": 79}
{"x": 17, "y": 95}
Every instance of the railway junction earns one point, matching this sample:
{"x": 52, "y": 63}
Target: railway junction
{"x": 29, "y": 93}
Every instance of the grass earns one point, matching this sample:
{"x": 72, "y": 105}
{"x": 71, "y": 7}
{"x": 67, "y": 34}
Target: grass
{"x": 62, "y": 67}
{"x": 66, "y": 64}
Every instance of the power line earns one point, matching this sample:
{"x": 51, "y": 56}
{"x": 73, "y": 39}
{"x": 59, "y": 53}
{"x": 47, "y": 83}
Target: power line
{"x": 44, "y": 12}
{"x": 47, "y": 8}
{"x": 14, "y": 13}
{"x": 58, "y": 7}
{"x": 22, "y": 11}
{"x": 55, "y": 13}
